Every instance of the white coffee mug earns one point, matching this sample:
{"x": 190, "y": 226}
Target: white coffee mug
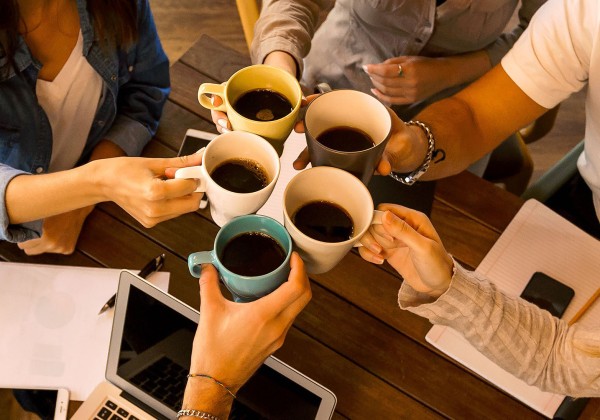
{"x": 225, "y": 204}
{"x": 335, "y": 186}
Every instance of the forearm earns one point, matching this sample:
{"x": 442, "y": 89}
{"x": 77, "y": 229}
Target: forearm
{"x": 51, "y": 194}
{"x": 473, "y": 122}
{"x": 461, "y": 69}
{"x": 286, "y": 26}
{"x": 518, "y": 336}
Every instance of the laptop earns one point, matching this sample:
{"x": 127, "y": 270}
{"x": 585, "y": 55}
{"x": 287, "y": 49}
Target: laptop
{"x": 149, "y": 359}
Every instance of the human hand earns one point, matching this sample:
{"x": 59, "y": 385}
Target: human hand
{"x": 420, "y": 79}
{"x": 144, "y": 187}
{"x": 219, "y": 118}
{"x": 407, "y": 240}
{"x": 59, "y": 233}
{"x": 233, "y": 339}
{"x": 303, "y": 158}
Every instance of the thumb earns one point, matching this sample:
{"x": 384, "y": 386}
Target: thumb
{"x": 210, "y": 293}
{"x": 182, "y": 162}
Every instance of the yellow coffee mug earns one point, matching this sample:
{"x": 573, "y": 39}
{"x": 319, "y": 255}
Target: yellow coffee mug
{"x": 264, "y": 123}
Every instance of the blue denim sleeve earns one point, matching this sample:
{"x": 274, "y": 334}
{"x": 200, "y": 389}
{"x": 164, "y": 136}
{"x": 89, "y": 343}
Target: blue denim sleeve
{"x": 144, "y": 86}
{"x": 8, "y": 232}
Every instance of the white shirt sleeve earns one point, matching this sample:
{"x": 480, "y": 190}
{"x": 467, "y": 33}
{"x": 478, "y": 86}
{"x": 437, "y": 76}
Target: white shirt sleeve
{"x": 551, "y": 60}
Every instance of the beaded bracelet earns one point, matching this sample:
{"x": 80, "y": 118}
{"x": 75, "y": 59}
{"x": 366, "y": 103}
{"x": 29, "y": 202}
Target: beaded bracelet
{"x": 221, "y": 384}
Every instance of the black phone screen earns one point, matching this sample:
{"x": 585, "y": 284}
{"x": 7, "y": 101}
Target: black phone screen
{"x": 191, "y": 145}
{"x": 548, "y": 293}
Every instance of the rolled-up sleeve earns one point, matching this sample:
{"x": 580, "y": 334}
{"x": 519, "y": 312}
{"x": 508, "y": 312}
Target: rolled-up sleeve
{"x": 141, "y": 99}
{"x": 8, "y": 232}
{"x": 287, "y": 26}
{"x": 504, "y": 43}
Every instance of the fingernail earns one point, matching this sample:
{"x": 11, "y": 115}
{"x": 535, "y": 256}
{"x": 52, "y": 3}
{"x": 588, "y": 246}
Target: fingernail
{"x": 201, "y": 150}
{"x": 225, "y": 130}
{"x": 364, "y": 67}
{"x": 378, "y": 260}
{"x": 222, "y": 122}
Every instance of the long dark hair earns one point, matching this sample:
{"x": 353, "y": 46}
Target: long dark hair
{"x": 114, "y": 21}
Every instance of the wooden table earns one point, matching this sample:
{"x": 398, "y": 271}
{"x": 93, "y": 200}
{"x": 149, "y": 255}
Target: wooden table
{"x": 352, "y": 337}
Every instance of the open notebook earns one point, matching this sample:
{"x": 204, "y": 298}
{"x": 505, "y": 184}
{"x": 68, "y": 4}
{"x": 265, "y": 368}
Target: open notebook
{"x": 537, "y": 239}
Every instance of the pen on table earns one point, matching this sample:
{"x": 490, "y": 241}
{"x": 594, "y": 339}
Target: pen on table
{"x": 153, "y": 265}
{"x": 585, "y": 307}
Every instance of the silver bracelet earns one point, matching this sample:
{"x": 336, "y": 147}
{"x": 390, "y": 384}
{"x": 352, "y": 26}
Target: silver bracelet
{"x": 196, "y": 413}
{"x": 412, "y": 177}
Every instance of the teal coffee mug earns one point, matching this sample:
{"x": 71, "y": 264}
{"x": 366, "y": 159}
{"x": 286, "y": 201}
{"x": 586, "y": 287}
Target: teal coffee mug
{"x": 252, "y": 255}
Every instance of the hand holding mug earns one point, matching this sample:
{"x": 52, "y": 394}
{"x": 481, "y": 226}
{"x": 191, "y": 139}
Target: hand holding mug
{"x": 238, "y": 173}
{"x": 234, "y": 339}
{"x": 326, "y": 212}
{"x": 259, "y": 99}
{"x": 252, "y": 255}
{"x": 138, "y": 185}
{"x": 408, "y": 241}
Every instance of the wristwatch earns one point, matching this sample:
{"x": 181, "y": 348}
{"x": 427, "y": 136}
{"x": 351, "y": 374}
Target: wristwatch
{"x": 412, "y": 177}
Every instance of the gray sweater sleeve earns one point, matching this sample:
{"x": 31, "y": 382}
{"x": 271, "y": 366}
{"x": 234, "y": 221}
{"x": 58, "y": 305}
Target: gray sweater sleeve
{"x": 516, "y": 335}
{"x": 286, "y": 25}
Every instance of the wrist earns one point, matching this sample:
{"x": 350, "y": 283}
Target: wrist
{"x": 207, "y": 396}
{"x": 282, "y": 60}
{"x": 95, "y": 181}
{"x": 423, "y": 146}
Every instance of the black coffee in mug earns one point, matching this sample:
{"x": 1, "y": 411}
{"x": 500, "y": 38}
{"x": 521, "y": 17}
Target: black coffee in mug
{"x": 324, "y": 221}
{"x": 263, "y": 105}
{"x": 345, "y": 139}
{"x": 240, "y": 176}
{"x": 252, "y": 254}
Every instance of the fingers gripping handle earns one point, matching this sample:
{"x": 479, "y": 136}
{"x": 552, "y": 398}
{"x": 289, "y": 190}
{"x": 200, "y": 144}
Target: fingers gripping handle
{"x": 193, "y": 172}
{"x": 206, "y": 89}
{"x": 377, "y": 220}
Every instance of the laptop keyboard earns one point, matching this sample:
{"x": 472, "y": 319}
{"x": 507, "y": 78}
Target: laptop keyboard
{"x": 165, "y": 380}
{"x": 112, "y": 411}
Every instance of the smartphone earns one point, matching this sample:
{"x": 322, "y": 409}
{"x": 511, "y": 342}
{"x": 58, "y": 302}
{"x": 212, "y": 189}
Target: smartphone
{"x": 548, "y": 293}
{"x": 194, "y": 140}
{"x": 39, "y": 403}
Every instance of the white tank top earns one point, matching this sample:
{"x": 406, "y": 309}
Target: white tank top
{"x": 70, "y": 101}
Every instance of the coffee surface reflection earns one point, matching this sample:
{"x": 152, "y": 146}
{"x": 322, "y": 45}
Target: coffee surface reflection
{"x": 345, "y": 139}
{"x": 324, "y": 221}
{"x": 252, "y": 254}
{"x": 263, "y": 105}
{"x": 240, "y": 176}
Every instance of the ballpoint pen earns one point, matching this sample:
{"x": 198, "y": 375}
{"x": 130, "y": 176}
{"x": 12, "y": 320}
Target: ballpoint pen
{"x": 153, "y": 265}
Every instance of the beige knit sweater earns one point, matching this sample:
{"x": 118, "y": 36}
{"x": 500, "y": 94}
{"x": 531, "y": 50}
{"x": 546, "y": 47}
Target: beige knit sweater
{"x": 518, "y": 336}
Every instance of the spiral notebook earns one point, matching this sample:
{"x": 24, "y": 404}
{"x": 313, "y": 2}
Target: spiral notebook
{"x": 537, "y": 239}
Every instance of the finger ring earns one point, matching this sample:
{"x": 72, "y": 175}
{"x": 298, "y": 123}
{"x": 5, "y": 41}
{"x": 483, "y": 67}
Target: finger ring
{"x": 400, "y": 71}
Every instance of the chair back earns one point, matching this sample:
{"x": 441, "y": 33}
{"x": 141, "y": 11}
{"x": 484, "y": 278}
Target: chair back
{"x": 248, "y": 11}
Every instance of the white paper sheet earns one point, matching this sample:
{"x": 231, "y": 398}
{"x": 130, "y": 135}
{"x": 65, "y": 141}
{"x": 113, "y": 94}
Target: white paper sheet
{"x": 50, "y": 332}
{"x": 295, "y": 143}
{"x": 537, "y": 239}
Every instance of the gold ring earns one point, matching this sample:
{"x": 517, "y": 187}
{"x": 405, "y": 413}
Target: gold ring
{"x": 400, "y": 71}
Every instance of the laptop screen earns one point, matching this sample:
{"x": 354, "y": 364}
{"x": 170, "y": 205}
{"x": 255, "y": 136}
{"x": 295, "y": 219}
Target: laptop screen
{"x": 154, "y": 358}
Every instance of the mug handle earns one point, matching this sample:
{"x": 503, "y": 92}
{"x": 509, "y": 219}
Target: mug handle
{"x": 192, "y": 172}
{"x": 377, "y": 215}
{"x": 196, "y": 260}
{"x": 212, "y": 88}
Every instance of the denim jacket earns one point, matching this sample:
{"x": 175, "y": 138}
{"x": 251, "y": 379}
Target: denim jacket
{"x": 135, "y": 87}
